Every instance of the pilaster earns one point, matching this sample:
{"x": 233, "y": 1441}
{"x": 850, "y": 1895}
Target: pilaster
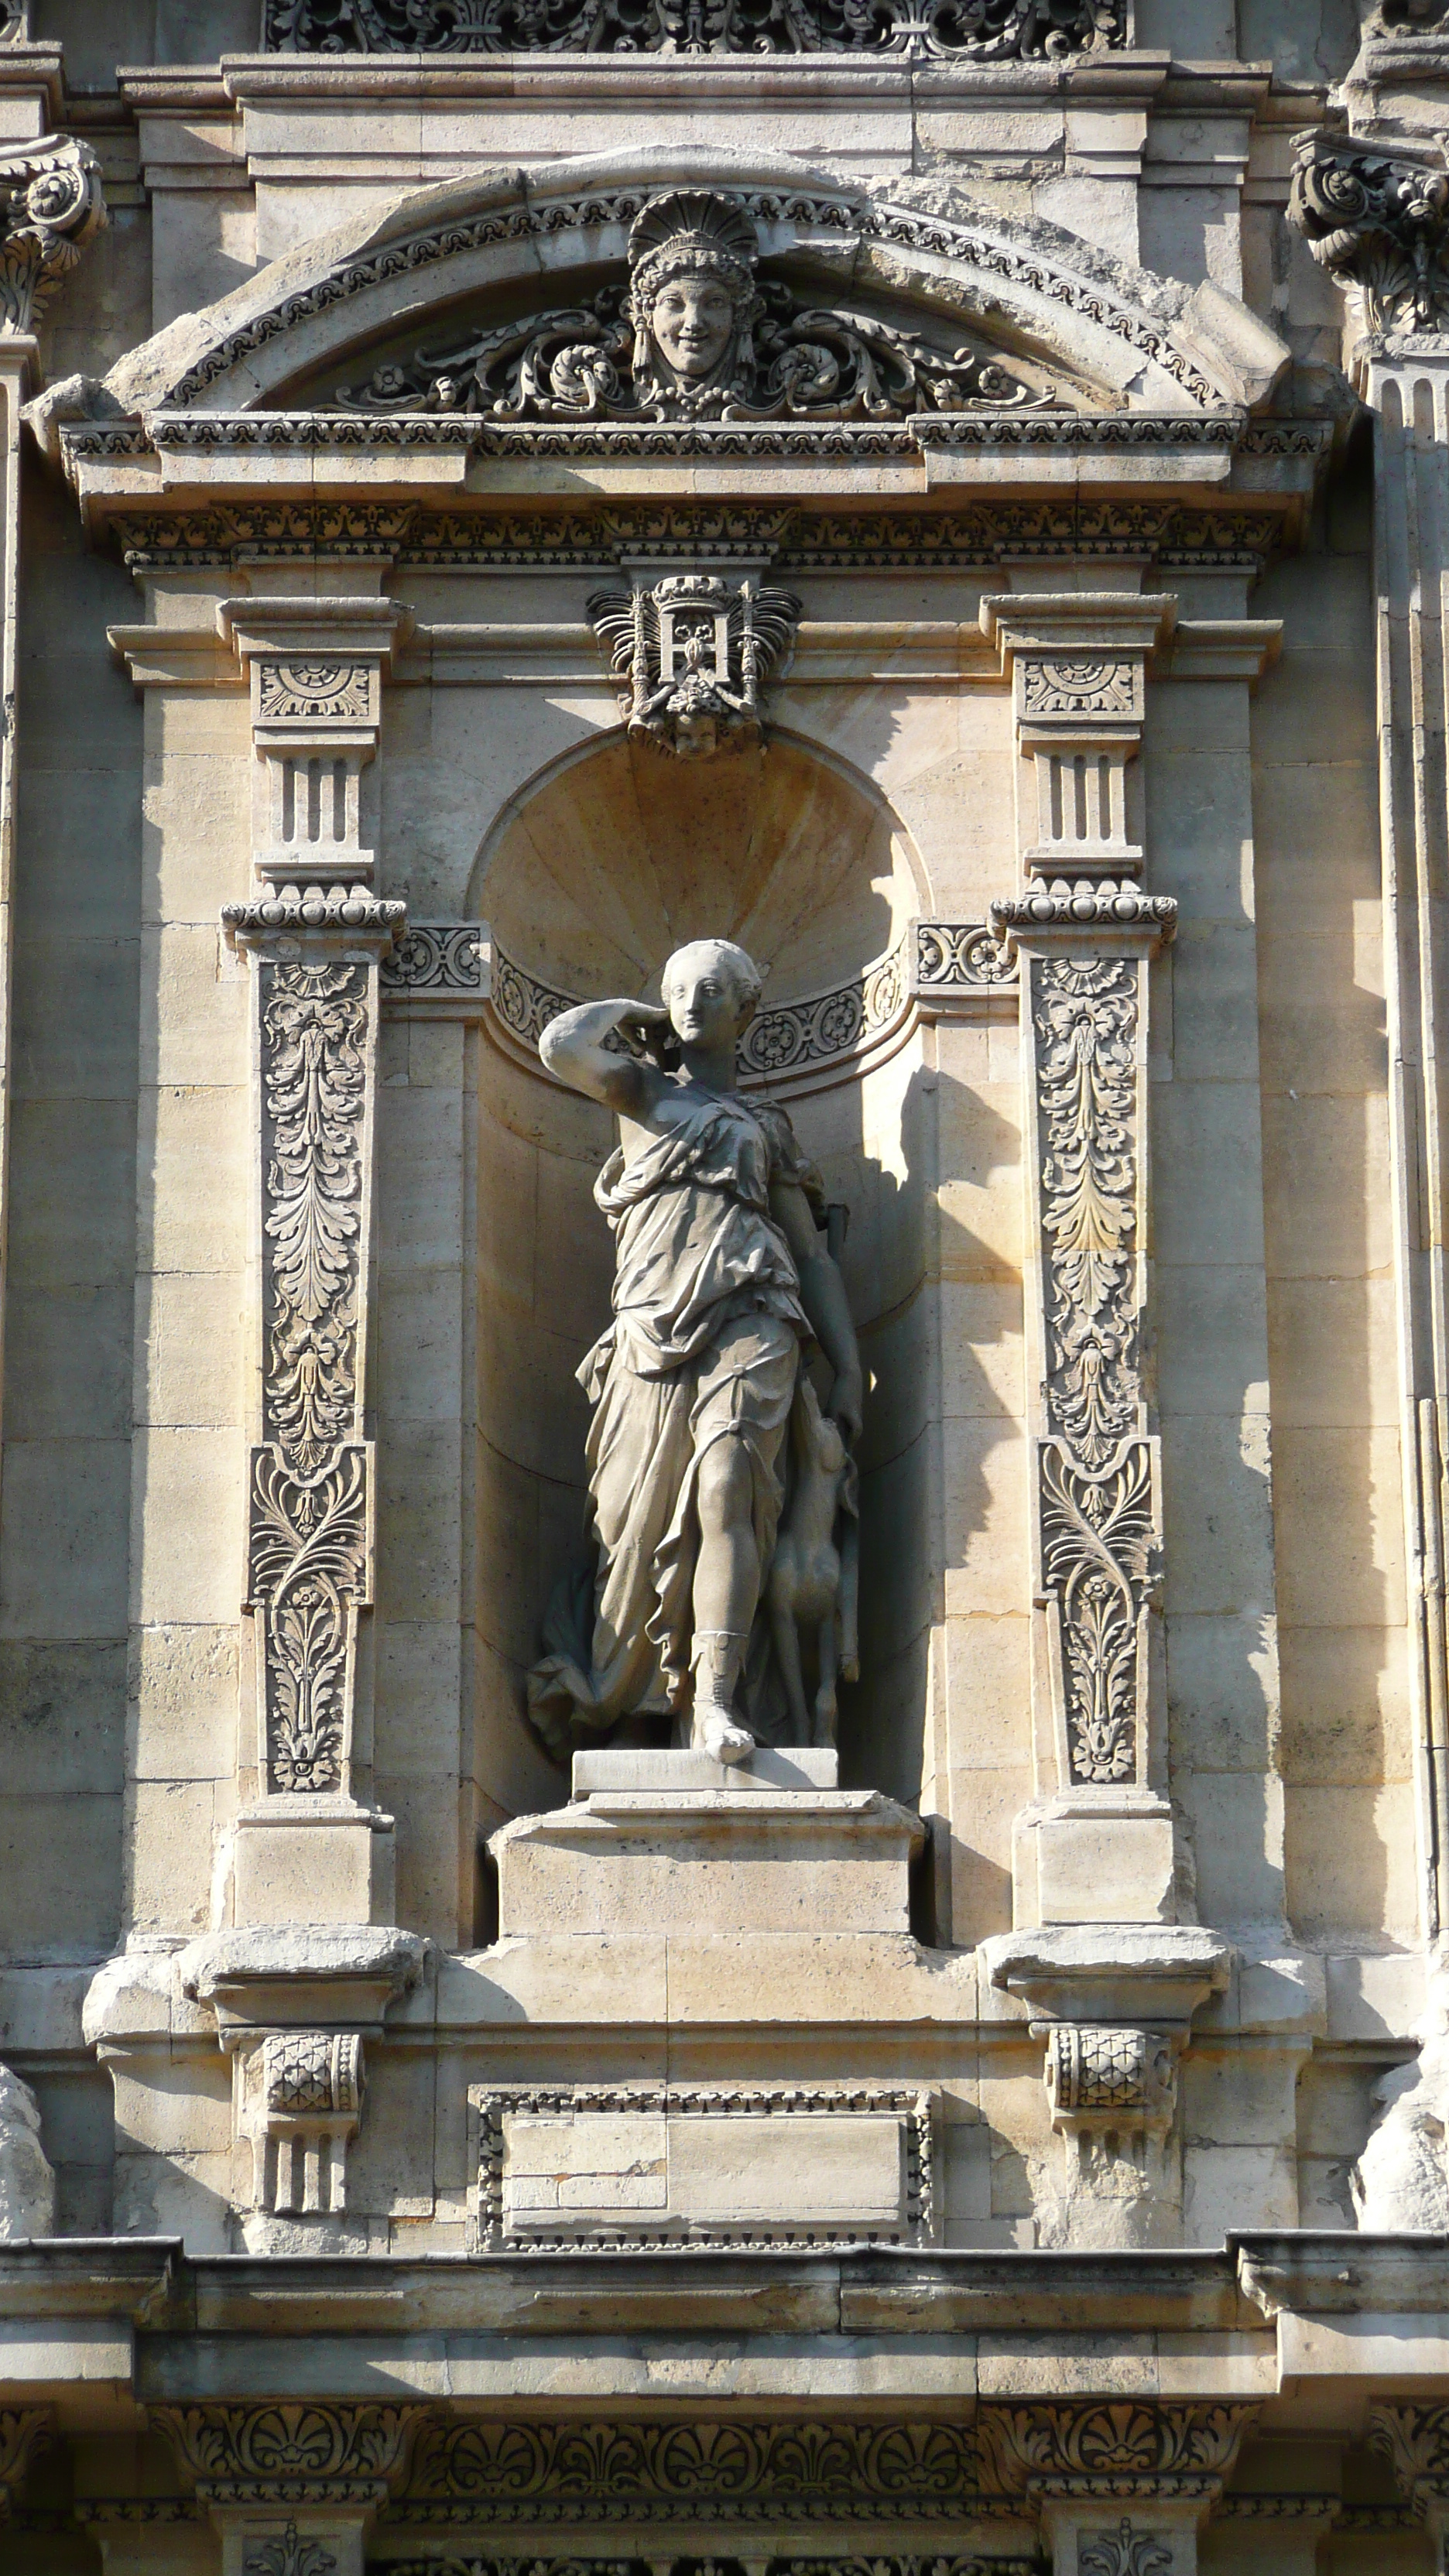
{"x": 53, "y": 207}
{"x": 1377, "y": 219}
{"x": 310, "y": 1847}
{"x": 1100, "y": 1847}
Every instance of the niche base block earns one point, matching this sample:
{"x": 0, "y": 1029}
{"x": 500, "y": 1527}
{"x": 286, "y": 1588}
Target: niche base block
{"x": 709, "y": 1861}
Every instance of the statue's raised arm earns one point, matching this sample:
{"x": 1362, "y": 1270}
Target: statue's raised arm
{"x": 722, "y": 1276}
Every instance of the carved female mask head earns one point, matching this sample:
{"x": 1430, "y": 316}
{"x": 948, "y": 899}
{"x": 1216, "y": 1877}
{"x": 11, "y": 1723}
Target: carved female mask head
{"x": 711, "y": 991}
{"x": 692, "y": 298}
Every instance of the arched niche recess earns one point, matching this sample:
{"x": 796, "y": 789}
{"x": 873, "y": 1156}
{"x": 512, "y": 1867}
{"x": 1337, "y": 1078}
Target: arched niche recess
{"x": 588, "y": 879}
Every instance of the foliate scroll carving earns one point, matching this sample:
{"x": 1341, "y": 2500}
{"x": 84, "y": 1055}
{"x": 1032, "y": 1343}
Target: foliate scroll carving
{"x": 315, "y": 1026}
{"x": 23, "y": 2431}
{"x": 797, "y": 1035}
{"x": 960, "y": 954}
{"x": 1415, "y": 2440}
{"x": 1100, "y": 1553}
{"x": 1124, "y": 2552}
{"x": 310, "y": 1511}
{"x": 308, "y": 1575}
{"x": 51, "y": 207}
{"x": 436, "y": 957}
{"x": 288, "y": 2554}
{"x": 290, "y": 2454}
{"x": 1120, "y": 2448}
{"x": 1085, "y": 1014}
{"x": 952, "y": 30}
{"x": 694, "y": 335}
{"x": 693, "y": 652}
{"x": 1378, "y": 221}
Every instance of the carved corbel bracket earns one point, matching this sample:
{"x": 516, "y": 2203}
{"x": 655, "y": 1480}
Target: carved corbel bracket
{"x": 1113, "y": 2006}
{"x": 316, "y": 668}
{"x": 1122, "y": 2488}
{"x": 1378, "y": 221}
{"x": 295, "y": 2008}
{"x": 1077, "y": 664}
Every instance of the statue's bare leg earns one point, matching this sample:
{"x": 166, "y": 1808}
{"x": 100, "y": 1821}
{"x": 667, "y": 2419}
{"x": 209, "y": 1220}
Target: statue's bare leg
{"x": 726, "y": 1595}
{"x": 825, "y": 1701}
{"x": 787, "y": 1655}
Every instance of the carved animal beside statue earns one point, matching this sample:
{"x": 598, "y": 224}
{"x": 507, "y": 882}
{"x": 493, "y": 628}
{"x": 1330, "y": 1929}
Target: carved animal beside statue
{"x": 813, "y": 1586}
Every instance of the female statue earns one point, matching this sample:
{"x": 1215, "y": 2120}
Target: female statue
{"x": 721, "y": 1275}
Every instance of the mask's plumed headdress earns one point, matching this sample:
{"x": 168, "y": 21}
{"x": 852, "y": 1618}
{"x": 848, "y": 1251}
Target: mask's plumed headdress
{"x": 682, "y": 234}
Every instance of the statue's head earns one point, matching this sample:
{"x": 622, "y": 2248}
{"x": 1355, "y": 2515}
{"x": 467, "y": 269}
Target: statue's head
{"x": 692, "y": 295}
{"x": 711, "y": 991}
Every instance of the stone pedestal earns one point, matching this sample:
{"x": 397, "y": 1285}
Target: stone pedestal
{"x": 704, "y": 1861}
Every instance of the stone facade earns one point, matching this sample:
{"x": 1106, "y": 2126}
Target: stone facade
{"x": 949, "y": 499}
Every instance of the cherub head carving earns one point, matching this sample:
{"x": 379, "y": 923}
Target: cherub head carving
{"x": 693, "y": 300}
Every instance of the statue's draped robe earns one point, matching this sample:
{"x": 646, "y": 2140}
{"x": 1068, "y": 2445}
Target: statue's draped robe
{"x": 705, "y": 1344}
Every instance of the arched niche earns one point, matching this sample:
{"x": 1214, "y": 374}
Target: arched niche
{"x": 607, "y": 861}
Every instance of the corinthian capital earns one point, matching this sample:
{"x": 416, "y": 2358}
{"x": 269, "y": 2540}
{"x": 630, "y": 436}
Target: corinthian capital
{"x": 53, "y": 207}
{"x": 1378, "y": 221}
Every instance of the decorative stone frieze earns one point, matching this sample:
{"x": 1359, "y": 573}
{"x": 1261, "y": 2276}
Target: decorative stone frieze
{"x": 993, "y": 31}
{"x": 935, "y": 970}
{"x": 668, "y": 2469}
{"x": 439, "y": 967}
{"x": 790, "y": 539}
{"x": 1377, "y": 220}
{"x": 693, "y": 652}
